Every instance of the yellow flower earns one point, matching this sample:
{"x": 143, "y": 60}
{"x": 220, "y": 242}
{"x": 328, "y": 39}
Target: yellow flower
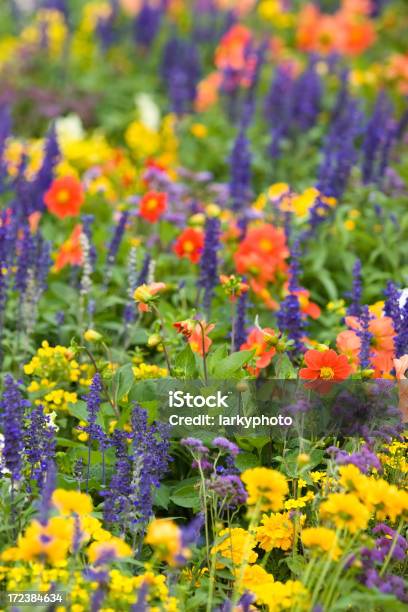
{"x": 142, "y": 140}
{"x": 235, "y": 542}
{"x": 265, "y": 487}
{"x": 90, "y": 335}
{"x": 165, "y": 536}
{"x": 146, "y": 370}
{"x": 70, "y": 502}
{"x": 277, "y": 191}
{"x": 51, "y": 541}
{"x": 345, "y": 511}
{"x": 111, "y": 549}
{"x": 321, "y": 538}
{"x": 199, "y": 130}
{"x": 255, "y": 577}
{"x": 279, "y": 596}
{"x": 276, "y": 531}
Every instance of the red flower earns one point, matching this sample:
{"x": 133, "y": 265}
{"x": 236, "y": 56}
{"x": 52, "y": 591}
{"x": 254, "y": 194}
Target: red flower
{"x": 324, "y": 368}
{"x": 153, "y": 205}
{"x": 64, "y": 197}
{"x": 190, "y": 244}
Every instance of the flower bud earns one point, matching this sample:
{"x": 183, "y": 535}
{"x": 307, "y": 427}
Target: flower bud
{"x": 91, "y": 335}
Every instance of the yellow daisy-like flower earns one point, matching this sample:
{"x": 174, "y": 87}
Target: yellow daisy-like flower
{"x": 235, "y": 542}
{"x": 279, "y": 596}
{"x": 346, "y": 511}
{"x": 276, "y": 531}
{"x": 255, "y": 578}
{"x": 165, "y": 537}
{"x": 323, "y": 539}
{"x": 265, "y": 487}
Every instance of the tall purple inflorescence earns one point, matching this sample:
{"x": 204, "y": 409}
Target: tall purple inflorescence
{"x": 45, "y": 174}
{"x": 114, "y": 244}
{"x": 39, "y": 442}
{"x": 380, "y": 132}
{"x": 12, "y": 409}
{"x": 307, "y": 97}
{"x": 365, "y": 338}
{"x": 240, "y": 172}
{"x": 209, "y": 261}
{"x": 147, "y": 23}
{"x": 150, "y": 462}
{"x": 278, "y": 108}
{"x": 289, "y": 316}
{"x": 5, "y": 131}
{"x": 181, "y": 72}
{"x": 356, "y": 294}
{"x": 93, "y": 402}
{"x": 340, "y": 150}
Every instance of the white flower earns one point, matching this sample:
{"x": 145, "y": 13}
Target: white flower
{"x": 149, "y": 112}
{"x": 403, "y": 297}
{"x": 69, "y": 128}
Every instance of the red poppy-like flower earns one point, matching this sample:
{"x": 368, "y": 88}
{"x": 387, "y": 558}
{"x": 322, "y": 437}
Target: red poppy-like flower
{"x": 260, "y": 341}
{"x": 65, "y": 197}
{"x": 324, "y": 368}
{"x": 153, "y": 205}
{"x": 70, "y": 252}
{"x": 190, "y": 244}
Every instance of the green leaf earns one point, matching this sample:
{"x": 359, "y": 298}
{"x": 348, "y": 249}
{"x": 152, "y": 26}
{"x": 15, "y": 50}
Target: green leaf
{"x": 227, "y": 367}
{"x": 284, "y": 367}
{"x": 245, "y": 461}
{"x": 122, "y": 382}
{"x": 162, "y": 496}
{"x": 186, "y": 497}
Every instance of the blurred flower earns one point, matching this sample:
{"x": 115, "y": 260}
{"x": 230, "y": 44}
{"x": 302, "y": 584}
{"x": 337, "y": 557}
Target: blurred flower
{"x": 65, "y": 197}
{"x": 345, "y": 511}
{"x": 190, "y": 244}
{"x": 322, "y": 539}
{"x": 152, "y": 206}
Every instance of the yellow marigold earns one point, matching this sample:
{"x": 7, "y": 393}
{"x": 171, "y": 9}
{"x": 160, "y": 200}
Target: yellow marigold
{"x": 142, "y": 140}
{"x": 234, "y": 543}
{"x": 321, "y": 538}
{"x": 70, "y": 502}
{"x": 276, "y": 531}
{"x": 114, "y": 548}
{"x": 279, "y": 596}
{"x": 346, "y": 511}
{"x": 254, "y": 578}
{"x": 266, "y": 487}
{"x": 165, "y": 536}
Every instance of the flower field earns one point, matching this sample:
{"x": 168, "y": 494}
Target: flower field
{"x": 204, "y": 305}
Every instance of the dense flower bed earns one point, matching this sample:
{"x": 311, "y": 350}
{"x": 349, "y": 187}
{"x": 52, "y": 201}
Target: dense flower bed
{"x": 209, "y": 193}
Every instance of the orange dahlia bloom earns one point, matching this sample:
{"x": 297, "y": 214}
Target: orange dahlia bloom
{"x": 70, "y": 252}
{"x": 190, "y": 244}
{"x": 382, "y": 342}
{"x": 262, "y": 254}
{"x": 232, "y": 51}
{"x": 153, "y": 205}
{"x": 259, "y": 340}
{"x": 65, "y": 197}
{"x": 324, "y": 368}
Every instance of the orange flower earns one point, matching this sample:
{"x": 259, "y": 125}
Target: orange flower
{"x": 153, "y": 205}
{"x": 232, "y": 51}
{"x": 349, "y": 344}
{"x": 262, "y": 254}
{"x": 145, "y": 294}
{"x": 198, "y": 340}
{"x": 70, "y": 252}
{"x": 307, "y": 307}
{"x": 382, "y": 342}
{"x": 207, "y": 91}
{"x": 189, "y": 244}
{"x": 185, "y": 327}
{"x": 260, "y": 341}
{"x": 65, "y": 197}
{"x": 398, "y": 70}
{"x": 324, "y": 368}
